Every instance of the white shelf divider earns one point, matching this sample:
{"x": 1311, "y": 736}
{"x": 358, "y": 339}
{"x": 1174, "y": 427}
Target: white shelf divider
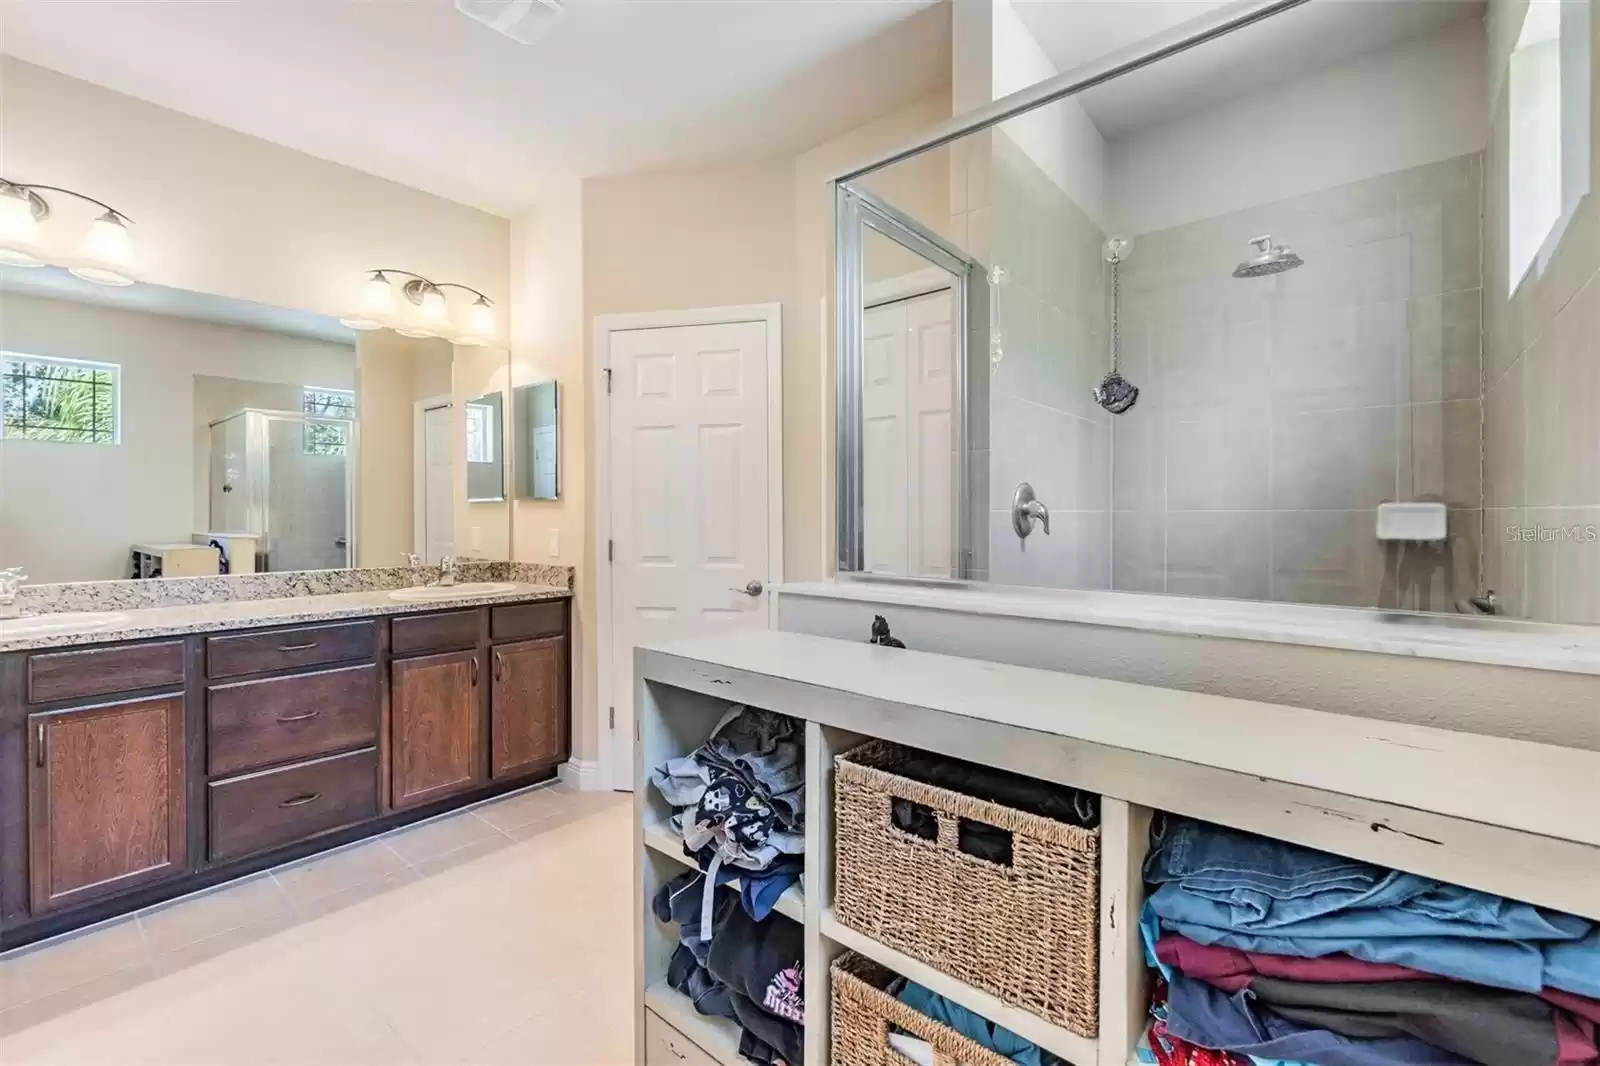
{"x": 717, "y": 1037}
{"x": 661, "y": 838}
{"x": 1069, "y": 1045}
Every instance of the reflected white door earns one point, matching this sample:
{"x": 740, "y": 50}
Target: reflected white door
{"x": 908, "y": 443}
{"x": 438, "y": 493}
{"x": 689, "y": 507}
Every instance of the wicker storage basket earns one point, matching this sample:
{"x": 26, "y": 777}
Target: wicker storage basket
{"x": 863, "y": 1013}
{"x": 1028, "y": 933}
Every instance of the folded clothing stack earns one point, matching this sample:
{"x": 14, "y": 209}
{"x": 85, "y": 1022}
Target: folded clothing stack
{"x": 740, "y": 805}
{"x": 1281, "y": 954}
{"x": 748, "y": 971}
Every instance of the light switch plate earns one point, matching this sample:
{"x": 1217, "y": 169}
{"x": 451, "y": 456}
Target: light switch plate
{"x": 555, "y": 543}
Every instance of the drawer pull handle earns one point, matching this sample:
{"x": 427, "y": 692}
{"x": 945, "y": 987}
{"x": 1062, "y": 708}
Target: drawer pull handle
{"x": 474, "y": 672}
{"x": 38, "y": 758}
{"x": 298, "y": 647}
{"x": 299, "y": 717}
{"x": 302, "y": 800}
{"x": 499, "y": 661}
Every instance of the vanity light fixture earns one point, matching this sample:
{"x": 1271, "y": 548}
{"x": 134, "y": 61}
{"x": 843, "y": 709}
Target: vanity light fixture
{"x": 380, "y": 310}
{"x": 105, "y": 255}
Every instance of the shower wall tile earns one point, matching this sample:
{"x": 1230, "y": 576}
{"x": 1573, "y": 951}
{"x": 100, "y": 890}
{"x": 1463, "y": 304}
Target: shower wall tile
{"x": 1433, "y": 577}
{"x": 1329, "y": 557}
{"x": 1139, "y": 460}
{"x": 1445, "y": 348}
{"x": 1139, "y": 551}
{"x": 1505, "y": 559}
{"x": 1341, "y": 460}
{"x": 1338, "y": 357}
{"x": 1441, "y": 453}
{"x": 1219, "y": 463}
{"x": 1504, "y": 443}
{"x": 1576, "y": 387}
{"x": 1219, "y": 553}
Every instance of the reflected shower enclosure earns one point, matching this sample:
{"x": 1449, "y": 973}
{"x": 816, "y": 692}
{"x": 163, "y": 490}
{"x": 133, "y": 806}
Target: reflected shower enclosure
{"x": 1236, "y": 293}
{"x": 285, "y": 478}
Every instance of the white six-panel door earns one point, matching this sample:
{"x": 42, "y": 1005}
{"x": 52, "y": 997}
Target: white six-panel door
{"x": 908, "y": 444}
{"x": 688, "y": 447}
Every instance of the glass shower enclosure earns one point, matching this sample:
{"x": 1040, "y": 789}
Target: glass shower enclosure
{"x": 286, "y": 479}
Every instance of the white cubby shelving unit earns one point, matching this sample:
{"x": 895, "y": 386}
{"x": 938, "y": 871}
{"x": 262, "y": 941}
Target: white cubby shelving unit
{"x": 1504, "y": 816}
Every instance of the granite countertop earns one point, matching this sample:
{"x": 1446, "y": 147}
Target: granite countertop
{"x": 162, "y": 607}
{"x": 139, "y": 623}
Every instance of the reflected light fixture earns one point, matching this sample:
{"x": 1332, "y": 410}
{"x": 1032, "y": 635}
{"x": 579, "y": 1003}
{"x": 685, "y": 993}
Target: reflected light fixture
{"x": 432, "y": 318}
{"x": 105, "y": 255}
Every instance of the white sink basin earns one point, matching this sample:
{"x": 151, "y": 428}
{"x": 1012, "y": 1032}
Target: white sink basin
{"x": 450, "y": 592}
{"x": 65, "y": 622}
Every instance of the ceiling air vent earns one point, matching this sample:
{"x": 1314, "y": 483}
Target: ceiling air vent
{"x": 521, "y": 20}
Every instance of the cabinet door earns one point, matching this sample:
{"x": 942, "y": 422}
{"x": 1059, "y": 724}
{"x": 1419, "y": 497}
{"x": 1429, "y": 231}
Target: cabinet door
{"x": 436, "y": 727}
{"x": 106, "y": 808}
{"x": 527, "y": 729}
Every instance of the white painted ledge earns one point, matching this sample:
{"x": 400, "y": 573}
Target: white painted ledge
{"x": 1459, "y": 638}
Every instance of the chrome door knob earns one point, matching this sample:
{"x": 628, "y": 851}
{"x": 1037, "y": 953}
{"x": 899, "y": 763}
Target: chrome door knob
{"x": 752, "y": 588}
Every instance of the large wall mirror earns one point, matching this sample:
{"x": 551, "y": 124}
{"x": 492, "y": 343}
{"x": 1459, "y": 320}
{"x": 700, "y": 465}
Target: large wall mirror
{"x": 153, "y": 431}
{"x": 1230, "y": 336}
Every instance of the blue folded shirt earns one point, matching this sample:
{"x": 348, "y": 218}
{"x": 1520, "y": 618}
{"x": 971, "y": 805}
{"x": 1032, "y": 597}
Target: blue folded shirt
{"x": 1220, "y": 886}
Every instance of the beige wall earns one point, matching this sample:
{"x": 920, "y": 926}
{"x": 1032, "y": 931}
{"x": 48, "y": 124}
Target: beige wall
{"x": 69, "y": 512}
{"x": 483, "y": 530}
{"x": 738, "y": 233}
{"x": 392, "y": 374}
{"x": 920, "y": 187}
{"x": 222, "y": 212}
{"x": 1542, "y": 387}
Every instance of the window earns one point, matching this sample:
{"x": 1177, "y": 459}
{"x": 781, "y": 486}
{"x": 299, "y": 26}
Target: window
{"x": 1550, "y": 91}
{"x": 480, "y": 433}
{"x": 328, "y": 438}
{"x": 67, "y": 400}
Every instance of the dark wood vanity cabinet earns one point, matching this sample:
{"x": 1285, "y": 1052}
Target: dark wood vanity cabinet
{"x": 436, "y": 727}
{"x": 131, "y": 773}
{"x": 527, "y": 725}
{"x": 106, "y": 799}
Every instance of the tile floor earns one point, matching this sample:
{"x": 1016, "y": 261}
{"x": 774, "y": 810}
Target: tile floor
{"x": 497, "y": 936}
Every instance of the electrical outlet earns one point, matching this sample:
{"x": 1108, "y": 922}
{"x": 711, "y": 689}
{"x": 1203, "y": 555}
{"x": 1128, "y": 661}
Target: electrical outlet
{"x": 477, "y": 538}
{"x": 555, "y": 543}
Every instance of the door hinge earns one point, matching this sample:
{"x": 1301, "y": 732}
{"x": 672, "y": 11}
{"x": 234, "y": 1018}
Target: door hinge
{"x": 611, "y": 551}
{"x": 608, "y": 380}
{"x": 613, "y": 718}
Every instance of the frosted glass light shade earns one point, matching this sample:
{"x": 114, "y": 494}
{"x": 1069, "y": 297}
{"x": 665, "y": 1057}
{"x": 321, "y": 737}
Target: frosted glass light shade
{"x": 20, "y": 243}
{"x": 480, "y": 319}
{"x": 106, "y": 254}
{"x": 377, "y": 297}
{"x": 434, "y": 310}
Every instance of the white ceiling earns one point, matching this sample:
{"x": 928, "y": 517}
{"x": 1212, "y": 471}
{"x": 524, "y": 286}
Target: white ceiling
{"x": 1282, "y": 48}
{"x": 419, "y": 93}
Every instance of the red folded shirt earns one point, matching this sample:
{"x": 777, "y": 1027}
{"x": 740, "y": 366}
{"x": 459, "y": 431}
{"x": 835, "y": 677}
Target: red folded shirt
{"x": 1577, "y": 1018}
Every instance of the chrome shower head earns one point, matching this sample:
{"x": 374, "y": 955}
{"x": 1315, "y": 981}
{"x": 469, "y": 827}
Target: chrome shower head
{"x": 1274, "y": 259}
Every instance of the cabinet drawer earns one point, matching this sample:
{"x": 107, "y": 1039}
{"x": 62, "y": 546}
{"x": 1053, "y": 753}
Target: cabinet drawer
{"x": 65, "y": 675}
{"x": 665, "y": 1046}
{"x": 258, "y": 723}
{"x": 446, "y": 631}
{"x": 521, "y": 621}
{"x": 252, "y": 653}
{"x": 271, "y": 808}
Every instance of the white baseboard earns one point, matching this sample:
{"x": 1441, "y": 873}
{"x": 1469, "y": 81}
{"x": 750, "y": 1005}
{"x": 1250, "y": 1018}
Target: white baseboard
{"x": 583, "y": 775}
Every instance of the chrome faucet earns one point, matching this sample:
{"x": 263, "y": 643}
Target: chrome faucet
{"x": 414, "y": 561}
{"x": 447, "y": 571}
{"x": 1025, "y": 511}
{"x": 11, "y": 580}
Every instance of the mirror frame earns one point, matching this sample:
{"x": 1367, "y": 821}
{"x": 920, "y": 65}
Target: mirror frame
{"x": 856, "y": 211}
